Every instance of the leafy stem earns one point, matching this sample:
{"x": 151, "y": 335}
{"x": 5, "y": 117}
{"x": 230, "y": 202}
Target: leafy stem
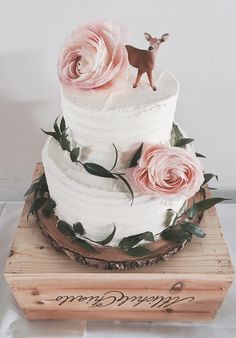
{"x": 127, "y": 185}
{"x": 116, "y": 157}
{"x": 181, "y": 231}
{"x": 60, "y": 135}
{"x": 77, "y": 235}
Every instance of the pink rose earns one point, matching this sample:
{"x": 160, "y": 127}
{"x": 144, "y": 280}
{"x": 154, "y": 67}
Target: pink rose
{"x": 93, "y": 57}
{"x": 169, "y": 172}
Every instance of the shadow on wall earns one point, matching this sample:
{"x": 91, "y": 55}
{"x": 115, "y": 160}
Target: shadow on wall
{"x": 29, "y": 100}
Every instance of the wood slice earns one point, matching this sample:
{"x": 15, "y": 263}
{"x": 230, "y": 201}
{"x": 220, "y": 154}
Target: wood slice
{"x": 111, "y": 258}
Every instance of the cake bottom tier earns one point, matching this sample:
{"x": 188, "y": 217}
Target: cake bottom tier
{"x": 100, "y": 203}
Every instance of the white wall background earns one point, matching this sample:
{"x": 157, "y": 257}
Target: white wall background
{"x": 201, "y": 52}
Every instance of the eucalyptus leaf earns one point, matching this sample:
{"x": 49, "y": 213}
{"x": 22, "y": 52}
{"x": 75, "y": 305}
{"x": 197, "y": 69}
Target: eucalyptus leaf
{"x": 39, "y": 178}
{"x": 64, "y": 142}
{"x": 62, "y": 124}
{"x": 33, "y": 187}
{"x": 43, "y": 185}
{"x": 138, "y": 251}
{"x": 56, "y": 128}
{"x": 128, "y": 186}
{"x": 131, "y": 241}
{"x": 97, "y": 170}
{"x": 65, "y": 228}
{"x": 53, "y": 134}
{"x": 74, "y": 154}
{"x": 171, "y": 217}
{"x": 78, "y": 228}
{"x": 183, "y": 141}
{"x": 36, "y": 205}
{"x": 85, "y": 245}
{"x": 200, "y": 155}
{"x": 175, "y": 135}
{"x": 136, "y": 156}
{"x": 193, "y": 229}
{"x": 49, "y": 207}
{"x": 175, "y": 235}
{"x": 109, "y": 238}
{"x": 38, "y": 185}
{"x": 204, "y": 205}
{"x": 116, "y": 157}
{"x": 208, "y": 177}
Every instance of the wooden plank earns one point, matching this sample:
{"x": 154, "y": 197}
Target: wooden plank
{"x": 124, "y": 316}
{"x": 58, "y": 296}
{"x": 115, "y": 297}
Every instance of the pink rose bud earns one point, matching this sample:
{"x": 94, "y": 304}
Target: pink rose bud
{"x": 93, "y": 57}
{"x": 168, "y": 172}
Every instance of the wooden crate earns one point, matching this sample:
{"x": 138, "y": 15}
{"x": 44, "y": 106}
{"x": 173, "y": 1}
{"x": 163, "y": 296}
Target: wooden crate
{"x": 189, "y": 287}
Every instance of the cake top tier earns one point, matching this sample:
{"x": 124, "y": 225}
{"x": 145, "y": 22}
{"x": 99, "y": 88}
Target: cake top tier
{"x": 123, "y": 98}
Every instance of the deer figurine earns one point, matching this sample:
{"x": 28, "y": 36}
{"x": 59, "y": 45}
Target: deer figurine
{"x": 143, "y": 59}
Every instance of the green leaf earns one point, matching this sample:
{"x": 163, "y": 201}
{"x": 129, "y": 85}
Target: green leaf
{"x": 193, "y": 229}
{"x": 183, "y": 141}
{"x": 79, "y": 229}
{"x": 38, "y": 185}
{"x": 171, "y": 217}
{"x": 65, "y": 228}
{"x": 136, "y": 156}
{"x": 85, "y": 245}
{"x": 53, "y": 134}
{"x": 204, "y": 205}
{"x": 108, "y": 239}
{"x": 208, "y": 177}
{"x": 116, "y": 157}
{"x": 200, "y": 155}
{"x": 128, "y": 186}
{"x": 65, "y": 144}
{"x": 131, "y": 241}
{"x": 175, "y": 235}
{"x": 97, "y": 170}
{"x": 43, "y": 185}
{"x": 62, "y": 124}
{"x": 74, "y": 154}
{"x": 49, "y": 207}
{"x": 36, "y": 205}
{"x": 138, "y": 251}
{"x": 56, "y": 128}
{"x": 33, "y": 187}
{"x": 176, "y": 135}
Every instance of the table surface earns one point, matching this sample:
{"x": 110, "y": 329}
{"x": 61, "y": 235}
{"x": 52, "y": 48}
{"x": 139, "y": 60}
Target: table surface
{"x": 14, "y": 325}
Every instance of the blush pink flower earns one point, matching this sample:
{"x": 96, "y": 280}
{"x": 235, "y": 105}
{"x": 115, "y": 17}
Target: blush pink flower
{"x": 93, "y": 57}
{"x": 168, "y": 172}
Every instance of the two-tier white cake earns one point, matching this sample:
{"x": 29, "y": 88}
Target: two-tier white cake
{"x": 96, "y": 120}
{"x": 104, "y": 116}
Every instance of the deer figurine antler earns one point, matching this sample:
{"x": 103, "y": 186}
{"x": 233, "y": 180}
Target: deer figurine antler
{"x": 143, "y": 59}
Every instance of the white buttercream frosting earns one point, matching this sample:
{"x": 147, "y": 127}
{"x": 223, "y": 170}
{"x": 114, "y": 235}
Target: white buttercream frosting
{"x": 96, "y": 119}
{"x": 99, "y": 203}
{"x": 123, "y": 116}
